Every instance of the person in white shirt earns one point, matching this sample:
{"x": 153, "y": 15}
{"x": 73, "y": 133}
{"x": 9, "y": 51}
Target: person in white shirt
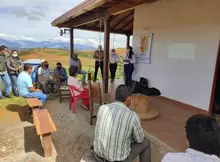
{"x": 203, "y": 135}
{"x": 114, "y": 59}
{"x": 44, "y": 74}
{"x": 129, "y": 61}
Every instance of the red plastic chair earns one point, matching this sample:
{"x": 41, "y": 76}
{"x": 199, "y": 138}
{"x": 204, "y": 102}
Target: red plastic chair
{"x": 74, "y": 98}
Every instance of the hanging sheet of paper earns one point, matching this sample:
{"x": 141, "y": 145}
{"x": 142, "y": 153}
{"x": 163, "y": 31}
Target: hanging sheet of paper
{"x": 143, "y": 56}
{"x": 182, "y": 51}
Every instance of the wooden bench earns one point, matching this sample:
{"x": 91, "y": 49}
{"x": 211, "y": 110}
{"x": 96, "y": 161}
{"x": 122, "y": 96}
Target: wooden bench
{"x": 33, "y": 102}
{"x": 44, "y": 127}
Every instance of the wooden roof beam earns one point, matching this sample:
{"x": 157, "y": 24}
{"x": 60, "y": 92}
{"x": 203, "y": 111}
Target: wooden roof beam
{"x": 125, "y": 6}
{"x": 126, "y": 24}
{"x": 97, "y": 29}
{"x": 82, "y": 21}
{"x": 122, "y": 7}
{"x": 119, "y": 22}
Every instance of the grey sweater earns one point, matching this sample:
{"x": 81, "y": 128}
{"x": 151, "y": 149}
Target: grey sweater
{"x": 76, "y": 63}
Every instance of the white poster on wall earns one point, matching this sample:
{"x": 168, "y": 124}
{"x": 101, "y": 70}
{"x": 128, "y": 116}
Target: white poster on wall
{"x": 143, "y": 55}
{"x": 182, "y": 51}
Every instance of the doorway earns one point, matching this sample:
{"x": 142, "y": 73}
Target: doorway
{"x": 214, "y": 108}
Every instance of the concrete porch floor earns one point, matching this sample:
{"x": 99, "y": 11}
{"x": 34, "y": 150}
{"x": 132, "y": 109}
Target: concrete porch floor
{"x": 168, "y": 129}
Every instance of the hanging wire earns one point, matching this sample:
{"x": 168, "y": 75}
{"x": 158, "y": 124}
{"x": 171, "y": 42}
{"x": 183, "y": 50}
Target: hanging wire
{"x": 113, "y": 42}
{"x": 100, "y": 39}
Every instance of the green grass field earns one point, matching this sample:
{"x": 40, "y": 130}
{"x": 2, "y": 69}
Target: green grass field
{"x": 62, "y": 55}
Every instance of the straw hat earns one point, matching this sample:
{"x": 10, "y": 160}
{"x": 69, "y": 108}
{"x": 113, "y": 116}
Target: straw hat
{"x": 140, "y": 105}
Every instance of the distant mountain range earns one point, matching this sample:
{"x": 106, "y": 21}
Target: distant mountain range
{"x": 26, "y": 44}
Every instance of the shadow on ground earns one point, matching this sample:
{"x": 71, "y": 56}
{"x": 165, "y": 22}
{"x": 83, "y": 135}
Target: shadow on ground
{"x": 32, "y": 141}
{"x": 22, "y": 112}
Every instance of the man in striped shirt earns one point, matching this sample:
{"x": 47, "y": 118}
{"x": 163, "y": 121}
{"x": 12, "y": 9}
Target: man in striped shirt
{"x": 118, "y": 133}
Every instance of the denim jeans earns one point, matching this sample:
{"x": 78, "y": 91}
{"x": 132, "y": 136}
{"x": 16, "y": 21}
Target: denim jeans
{"x": 14, "y": 79}
{"x": 42, "y": 97}
{"x": 6, "y": 79}
{"x": 128, "y": 70}
{"x": 83, "y": 74}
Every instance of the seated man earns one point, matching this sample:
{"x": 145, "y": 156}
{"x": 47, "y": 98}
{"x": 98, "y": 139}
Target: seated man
{"x": 25, "y": 86}
{"x": 203, "y": 135}
{"x": 44, "y": 74}
{"x": 118, "y": 132}
{"x": 75, "y": 61}
{"x": 60, "y": 73}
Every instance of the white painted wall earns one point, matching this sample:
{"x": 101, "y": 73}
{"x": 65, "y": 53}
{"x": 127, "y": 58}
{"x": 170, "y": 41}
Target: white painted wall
{"x": 180, "y": 21}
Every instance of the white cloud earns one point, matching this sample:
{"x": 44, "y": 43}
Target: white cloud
{"x": 27, "y": 38}
{"x": 90, "y": 42}
{"x": 94, "y": 42}
{"x": 11, "y": 37}
{"x": 18, "y": 26}
{"x": 9, "y": 3}
{"x": 58, "y": 39}
{"x": 7, "y": 37}
{"x": 31, "y": 13}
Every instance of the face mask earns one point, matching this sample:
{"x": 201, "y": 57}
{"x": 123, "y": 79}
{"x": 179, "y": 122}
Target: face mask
{"x": 6, "y": 53}
{"x": 113, "y": 53}
{"x": 74, "y": 56}
{"x": 14, "y": 54}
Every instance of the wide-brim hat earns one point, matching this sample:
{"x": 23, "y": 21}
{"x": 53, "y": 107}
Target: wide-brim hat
{"x": 140, "y": 105}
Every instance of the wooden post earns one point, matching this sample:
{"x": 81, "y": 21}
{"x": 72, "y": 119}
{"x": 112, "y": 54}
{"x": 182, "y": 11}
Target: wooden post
{"x": 71, "y": 41}
{"x": 128, "y": 41}
{"x": 106, "y": 52}
{"x": 47, "y": 144}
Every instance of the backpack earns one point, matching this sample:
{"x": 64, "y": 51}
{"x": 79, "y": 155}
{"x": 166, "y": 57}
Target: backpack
{"x": 135, "y": 87}
{"x": 150, "y": 91}
{"x": 143, "y": 82}
{"x": 34, "y": 74}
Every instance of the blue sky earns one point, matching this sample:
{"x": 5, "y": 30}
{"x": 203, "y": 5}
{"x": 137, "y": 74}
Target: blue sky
{"x": 31, "y": 19}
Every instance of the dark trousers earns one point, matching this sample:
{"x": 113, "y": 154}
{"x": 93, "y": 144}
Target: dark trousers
{"x": 113, "y": 68}
{"x": 128, "y": 70}
{"x": 141, "y": 149}
{"x": 97, "y": 65}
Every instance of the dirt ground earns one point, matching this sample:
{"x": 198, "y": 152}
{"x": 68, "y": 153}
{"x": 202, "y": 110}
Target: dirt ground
{"x": 19, "y": 142}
